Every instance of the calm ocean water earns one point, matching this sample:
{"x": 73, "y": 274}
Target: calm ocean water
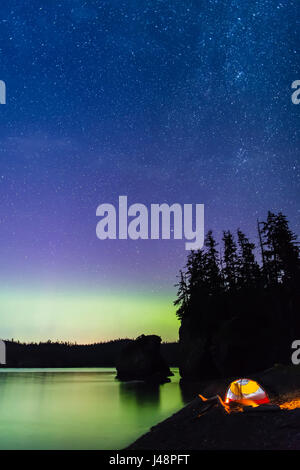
{"x": 79, "y": 408}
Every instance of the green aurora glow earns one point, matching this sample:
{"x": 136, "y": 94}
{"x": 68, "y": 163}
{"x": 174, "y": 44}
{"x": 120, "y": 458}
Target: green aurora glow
{"x": 85, "y": 317}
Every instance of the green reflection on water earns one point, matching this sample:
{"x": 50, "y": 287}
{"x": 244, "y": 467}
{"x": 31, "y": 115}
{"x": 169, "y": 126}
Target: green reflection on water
{"x": 79, "y": 408}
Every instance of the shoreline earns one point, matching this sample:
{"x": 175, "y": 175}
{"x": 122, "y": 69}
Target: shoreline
{"x": 217, "y": 430}
{"x": 259, "y": 428}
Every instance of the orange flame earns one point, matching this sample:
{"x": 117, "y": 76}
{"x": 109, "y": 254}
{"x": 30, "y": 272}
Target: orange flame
{"x": 246, "y": 402}
{"x": 290, "y": 405}
{"x": 202, "y": 397}
{"x": 231, "y": 406}
{"x": 237, "y": 405}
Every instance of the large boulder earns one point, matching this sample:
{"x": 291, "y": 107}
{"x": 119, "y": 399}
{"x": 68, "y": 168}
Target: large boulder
{"x": 141, "y": 360}
{"x": 194, "y": 353}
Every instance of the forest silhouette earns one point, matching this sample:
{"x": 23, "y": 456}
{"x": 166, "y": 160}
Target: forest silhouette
{"x": 66, "y": 354}
{"x": 239, "y": 314}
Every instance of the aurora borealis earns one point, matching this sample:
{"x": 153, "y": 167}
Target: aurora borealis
{"x": 164, "y": 101}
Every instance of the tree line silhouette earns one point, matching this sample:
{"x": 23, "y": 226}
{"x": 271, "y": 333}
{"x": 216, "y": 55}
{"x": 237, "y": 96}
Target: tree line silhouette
{"x": 67, "y": 354}
{"x": 229, "y": 292}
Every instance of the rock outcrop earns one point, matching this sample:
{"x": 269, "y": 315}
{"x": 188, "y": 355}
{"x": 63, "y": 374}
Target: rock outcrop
{"x": 141, "y": 360}
{"x": 234, "y": 337}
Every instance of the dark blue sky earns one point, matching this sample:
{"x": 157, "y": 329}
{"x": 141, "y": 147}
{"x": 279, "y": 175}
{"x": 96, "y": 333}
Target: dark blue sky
{"x": 163, "y": 101}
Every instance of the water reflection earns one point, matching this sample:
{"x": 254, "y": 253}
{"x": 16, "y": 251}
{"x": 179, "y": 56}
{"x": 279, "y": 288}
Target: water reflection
{"x": 140, "y": 394}
{"x": 189, "y": 390}
{"x": 79, "y": 409}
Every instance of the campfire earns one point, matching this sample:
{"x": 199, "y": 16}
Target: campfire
{"x": 291, "y": 404}
{"x": 243, "y": 395}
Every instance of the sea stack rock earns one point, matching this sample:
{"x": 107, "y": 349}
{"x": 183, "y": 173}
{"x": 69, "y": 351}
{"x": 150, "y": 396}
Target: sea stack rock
{"x": 141, "y": 360}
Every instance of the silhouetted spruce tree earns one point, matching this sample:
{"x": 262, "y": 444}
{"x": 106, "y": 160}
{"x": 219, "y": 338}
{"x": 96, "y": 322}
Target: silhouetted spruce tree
{"x": 213, "y": 276}
{"x": 201, "y": 279}
{"x": 271, "y": 269}
{"x": 249, "y": 273}
{"x": 199, "y": 287}
{"x": 192, "y": 284}
{"x": 281, "y": 253}
{"x": 230, "y": 261}
{"x": 287, "y": 250}
{"x": 196, "y": 272}
{"x": 182, "y": 300}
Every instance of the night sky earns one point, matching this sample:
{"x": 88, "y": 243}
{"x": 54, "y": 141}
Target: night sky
{"x": 163, "y": 101}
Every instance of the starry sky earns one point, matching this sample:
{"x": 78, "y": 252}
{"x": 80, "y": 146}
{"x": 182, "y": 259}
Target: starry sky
{"x": 164, "y": 101}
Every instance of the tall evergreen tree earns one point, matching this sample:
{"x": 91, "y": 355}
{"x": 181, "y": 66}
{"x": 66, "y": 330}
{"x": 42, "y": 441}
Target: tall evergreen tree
{"x": 286, "y": 249}
{"x": 249, "y": 274}
{"x": 182, "y": 300}
{"x": 269, "y": 250}
{"x": 230, "y": 269}
{"x": 212, "y": 265}
{"x": 281, "y": 252}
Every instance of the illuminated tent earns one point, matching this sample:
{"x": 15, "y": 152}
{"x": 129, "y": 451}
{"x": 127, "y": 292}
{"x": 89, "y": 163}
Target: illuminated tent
{"x": 246, "y": 391}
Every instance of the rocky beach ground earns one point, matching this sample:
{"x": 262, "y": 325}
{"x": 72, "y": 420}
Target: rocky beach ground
{"x": 198, "y": 427}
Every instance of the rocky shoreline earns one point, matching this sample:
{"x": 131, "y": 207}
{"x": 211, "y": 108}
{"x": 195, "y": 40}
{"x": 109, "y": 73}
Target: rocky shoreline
{"x": 262, "y": 428}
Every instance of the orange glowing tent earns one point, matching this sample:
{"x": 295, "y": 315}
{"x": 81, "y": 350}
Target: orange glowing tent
{"x": 247, "y": 391}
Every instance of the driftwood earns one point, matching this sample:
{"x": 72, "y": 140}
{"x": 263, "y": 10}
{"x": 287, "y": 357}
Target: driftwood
{"x": 208, "y": 403}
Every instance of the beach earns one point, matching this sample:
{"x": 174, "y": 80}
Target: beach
{"x": 266, "y": 427}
